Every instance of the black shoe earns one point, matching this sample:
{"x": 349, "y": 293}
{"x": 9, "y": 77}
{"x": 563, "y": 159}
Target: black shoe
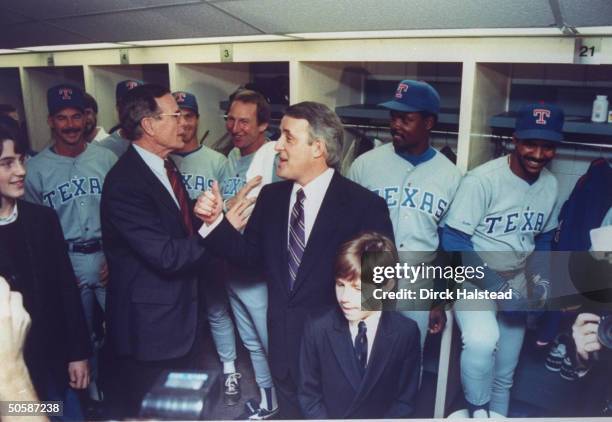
{"x": 556, "y": 355}
{"x": 231, "y": 389}
{"x": 253, "y": 412}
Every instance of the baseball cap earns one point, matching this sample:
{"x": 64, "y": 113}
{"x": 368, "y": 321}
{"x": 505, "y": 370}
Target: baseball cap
{"x": 186, "y": 100}
{"x": 411, "y": 96}
{"x": 64, "y": 96}
{"x": 540, "y": 121}
{"x": 124, "y": 86}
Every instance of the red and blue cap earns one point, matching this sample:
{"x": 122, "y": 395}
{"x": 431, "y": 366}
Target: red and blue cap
{"x": 540, "y": 121}
{"x": 186, "y": 100}
{"x": 413, "y": 96}
{"x": 124, "y": 87}
{"x": 64, "y": 96}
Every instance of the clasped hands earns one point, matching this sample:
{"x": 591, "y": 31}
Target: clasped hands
{"x": 209, "y": 205}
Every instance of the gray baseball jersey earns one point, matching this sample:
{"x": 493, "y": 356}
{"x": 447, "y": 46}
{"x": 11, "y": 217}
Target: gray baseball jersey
{"x": 116, "y": 143}
{"x": 502, "y": 212}
{"x": 72, "y": 186}
{"x": 200, "y": 168}
{"x": 418, "y": 196}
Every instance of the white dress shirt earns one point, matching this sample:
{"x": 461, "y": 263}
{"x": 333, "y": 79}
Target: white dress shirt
{"x": 156, "y": 164}
{"x": 315, "y": 192}
{"x": 371, "y": 323}
{"x": 11, "y": 218}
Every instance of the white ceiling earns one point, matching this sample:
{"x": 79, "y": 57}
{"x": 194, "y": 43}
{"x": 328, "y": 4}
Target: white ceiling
{"x": 28, "y": 23}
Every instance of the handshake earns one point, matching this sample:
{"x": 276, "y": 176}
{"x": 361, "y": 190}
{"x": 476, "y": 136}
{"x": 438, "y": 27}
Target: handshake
{"x": 210, "y": 205}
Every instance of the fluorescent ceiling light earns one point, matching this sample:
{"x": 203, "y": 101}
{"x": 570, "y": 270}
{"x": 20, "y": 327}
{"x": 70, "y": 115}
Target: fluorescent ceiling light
{"x": 594, "y": 30}
{"x": 209, "y": 40}
{"x": 4, "y": 51}
{"x": 430, "y": 33}
{"x": 68, "y": 47}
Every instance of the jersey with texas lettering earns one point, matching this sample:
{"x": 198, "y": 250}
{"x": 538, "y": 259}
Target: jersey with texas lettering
{"x": 418, "y": 196}
{"x": 235, "y": 173}
{"x": 72, "y": 186}
{"x": 502, "y": 212}
{"x": 200, "y": 168}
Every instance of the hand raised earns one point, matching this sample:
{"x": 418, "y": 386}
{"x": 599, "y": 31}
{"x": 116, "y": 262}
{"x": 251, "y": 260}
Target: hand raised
{"x": 244, "y": 192}
{"x": 209, "y": 205}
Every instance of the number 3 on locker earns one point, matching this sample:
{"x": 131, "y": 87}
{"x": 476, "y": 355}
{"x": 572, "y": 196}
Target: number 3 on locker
{"x": 227, "y": 52}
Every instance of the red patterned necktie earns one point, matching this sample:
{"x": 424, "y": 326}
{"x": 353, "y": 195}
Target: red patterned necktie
{"x": 176, "y": 181}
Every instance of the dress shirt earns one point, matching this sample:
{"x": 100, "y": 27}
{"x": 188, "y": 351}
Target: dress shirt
{"x": 156, "y": 164}
{"x": 371, "y": 323}
{"x": 11, "y": 218}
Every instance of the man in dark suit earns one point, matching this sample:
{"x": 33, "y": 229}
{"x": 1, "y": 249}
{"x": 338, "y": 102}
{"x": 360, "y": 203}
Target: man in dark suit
{"x": 153, "y": 253}
{"x": 357, "y": 362}
{"x": 294, "y": 232}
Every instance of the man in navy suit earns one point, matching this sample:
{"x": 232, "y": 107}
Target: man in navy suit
{"x": 294, "y": 232}
{"x": 152, "y": 249}
{"x": 357, "y": 362}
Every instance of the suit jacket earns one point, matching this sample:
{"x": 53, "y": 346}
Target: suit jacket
{"x": 58, "y": 334}
{"x": 151, "y": 308}
{"x": 330, "y": 384}
{"x": 346, "y": 210}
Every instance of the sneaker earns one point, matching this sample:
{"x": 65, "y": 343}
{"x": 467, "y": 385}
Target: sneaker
{"x": 567, "y": 370}
{"x": 253, "y": 412}
{"x": 556, "y": 355}
{"x": 231, "y": 388}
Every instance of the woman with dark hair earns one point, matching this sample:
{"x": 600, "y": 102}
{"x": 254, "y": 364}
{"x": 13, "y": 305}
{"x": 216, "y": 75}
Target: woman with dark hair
{"x": 34, "y": 259}
{"x": 356, "y": 361}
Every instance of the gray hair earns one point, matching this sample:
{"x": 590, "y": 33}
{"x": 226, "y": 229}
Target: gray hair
{"x": 323, "y": 124}
{"x": 137, "y": 104}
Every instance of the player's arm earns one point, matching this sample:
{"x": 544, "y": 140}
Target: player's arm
{"x": 310, "y": 392}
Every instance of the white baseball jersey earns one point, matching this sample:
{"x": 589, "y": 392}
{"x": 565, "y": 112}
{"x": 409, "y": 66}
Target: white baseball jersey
{"x": 502, "y": 212}
{"x": 116, "y": 143}
{"x": 418, "y": 196}
{"x": 200, "y": 168}
{"x": 72, "y": 186}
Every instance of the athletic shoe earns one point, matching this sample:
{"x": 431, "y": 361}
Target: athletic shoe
{"x": 555, "y": 357}
{"x": 231, "y": 388}
{"x": 571, "y": 372}
{"x": 253, "y": 412}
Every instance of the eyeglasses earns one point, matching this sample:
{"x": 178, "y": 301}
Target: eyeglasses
{"x": 176, "y": 115}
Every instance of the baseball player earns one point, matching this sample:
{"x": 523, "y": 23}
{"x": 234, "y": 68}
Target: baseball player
{"x": 115, "y": 141}
{"x": 418, "y": 183}
{"x": 247, "y": 121}
{"x": 92, "y": 132}
{"x": 508, "y": 206}
{"x": 68, "y": 176}
{"x": 200, "y": 166}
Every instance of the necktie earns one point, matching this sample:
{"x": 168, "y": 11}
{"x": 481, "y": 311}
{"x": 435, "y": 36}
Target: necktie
{"x": 180, "y": 193}
{"x": 361, "y": 347}
{"x": 297, "y": 237}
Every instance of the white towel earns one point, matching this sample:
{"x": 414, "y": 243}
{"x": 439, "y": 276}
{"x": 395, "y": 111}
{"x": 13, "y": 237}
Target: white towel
{"x": 262, "y": 165}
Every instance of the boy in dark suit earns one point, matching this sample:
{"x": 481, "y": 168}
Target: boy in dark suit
{"x": 357, "y": 363}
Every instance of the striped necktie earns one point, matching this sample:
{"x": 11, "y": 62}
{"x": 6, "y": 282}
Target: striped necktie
{"x": 176, "y": 181}
{"x": 297, "y": 237}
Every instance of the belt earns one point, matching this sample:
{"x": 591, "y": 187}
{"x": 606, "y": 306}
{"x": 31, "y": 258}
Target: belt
{"x": 86, "y": 247}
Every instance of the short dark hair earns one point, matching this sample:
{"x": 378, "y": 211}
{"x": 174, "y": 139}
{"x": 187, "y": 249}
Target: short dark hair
{"x": 90, "y": 102}
{"x": 137, "y": 104}
{"x": 253, "y": 97}
{"x": 8, "y": 133}
{"x": 324, "y": 124}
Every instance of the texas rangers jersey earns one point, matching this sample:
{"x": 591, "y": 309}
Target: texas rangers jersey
{"x": 72, "y": 186}
{"x": 502, "y": 212}
{"x": 418, "y": 196}
{"x": 200, "y": 168}
{"x": 235, "y": 173}
{"x": 116, "y": 143}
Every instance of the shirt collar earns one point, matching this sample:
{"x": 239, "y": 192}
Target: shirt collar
{"x": 316, "y": 188}
{"x": 11, "y": 218}
{"x": 371, "y": 322}
{"x": 155, "y": 162}
{"x": 420, "y": 158}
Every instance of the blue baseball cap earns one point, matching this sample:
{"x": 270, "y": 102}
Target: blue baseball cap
{"x": 64, "y": 96}
{"x": 186, "y": 100}
{"x": 124, "y": 87}
{"x": 540, "y": 121}
{"x": 411, "y": 96}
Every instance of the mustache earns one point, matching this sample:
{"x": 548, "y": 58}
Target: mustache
{"x": 71, "y": 130}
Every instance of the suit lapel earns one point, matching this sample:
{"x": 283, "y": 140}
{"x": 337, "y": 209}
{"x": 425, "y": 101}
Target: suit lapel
{"x": 341, "y": 344}
{"x": 323, "y": 229}
{"x": 382, "y": 350}
{"x": 283, "y": 234}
